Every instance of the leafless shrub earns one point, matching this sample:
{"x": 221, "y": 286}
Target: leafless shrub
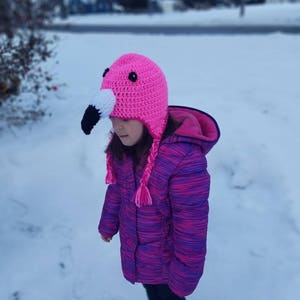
{"x": 24, "y": 49}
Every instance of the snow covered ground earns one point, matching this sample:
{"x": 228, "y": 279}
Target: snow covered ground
{"x": 267, "y": 14}
{"x": 52, "y": 176}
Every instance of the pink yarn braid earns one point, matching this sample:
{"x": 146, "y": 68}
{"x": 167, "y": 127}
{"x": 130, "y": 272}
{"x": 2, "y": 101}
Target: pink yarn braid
{"x": 142, "y": 196}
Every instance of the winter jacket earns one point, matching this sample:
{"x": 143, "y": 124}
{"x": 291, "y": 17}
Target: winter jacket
{"x": 165, "y": 242}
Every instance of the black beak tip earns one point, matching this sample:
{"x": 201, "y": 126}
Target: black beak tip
{"x": 90, "y": 118}
{"x": 85, "y": 130}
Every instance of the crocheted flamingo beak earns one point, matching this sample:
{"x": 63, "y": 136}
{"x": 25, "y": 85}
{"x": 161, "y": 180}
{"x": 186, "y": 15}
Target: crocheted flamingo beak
{"x": 101, "y": 106}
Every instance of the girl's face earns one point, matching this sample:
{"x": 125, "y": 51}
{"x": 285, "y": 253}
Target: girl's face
{"x": 128, "y": 131}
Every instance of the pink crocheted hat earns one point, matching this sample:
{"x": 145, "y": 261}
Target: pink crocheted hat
{"x": 140, "y": 90}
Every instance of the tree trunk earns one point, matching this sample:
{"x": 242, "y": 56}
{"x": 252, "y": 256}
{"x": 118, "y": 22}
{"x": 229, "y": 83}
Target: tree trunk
{"x": 242, "y": 8}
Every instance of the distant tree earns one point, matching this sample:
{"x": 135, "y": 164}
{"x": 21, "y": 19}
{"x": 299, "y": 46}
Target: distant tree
{"x": 23, "y": 49}
{"x": 198, "y": 4}
{"x": 134, "y": 5}
{"x": 242, "y": 8}
{"x": 139, "y": 6}
{"x": 63, "y": 8}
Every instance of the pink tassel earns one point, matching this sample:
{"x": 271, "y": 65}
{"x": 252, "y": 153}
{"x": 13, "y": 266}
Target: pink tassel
{"x": 142, "y": 196}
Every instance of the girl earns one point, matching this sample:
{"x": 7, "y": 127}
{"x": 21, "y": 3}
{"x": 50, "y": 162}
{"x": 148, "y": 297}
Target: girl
{"x": 157, "y": 198}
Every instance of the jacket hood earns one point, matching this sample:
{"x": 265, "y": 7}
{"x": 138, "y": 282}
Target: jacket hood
{"x": 196, "y": 127}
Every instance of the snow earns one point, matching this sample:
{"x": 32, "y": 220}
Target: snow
{"x": 52, "y": 176}
{"x": 268, "y": 14}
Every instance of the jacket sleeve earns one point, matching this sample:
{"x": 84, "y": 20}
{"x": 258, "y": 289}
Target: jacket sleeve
{"x": 109, "y": 221}
{"x": 189, "y": 191}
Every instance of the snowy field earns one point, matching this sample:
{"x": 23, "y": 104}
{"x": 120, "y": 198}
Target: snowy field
{"x": 52, "y": 176}
{"x": 267, "y": 14}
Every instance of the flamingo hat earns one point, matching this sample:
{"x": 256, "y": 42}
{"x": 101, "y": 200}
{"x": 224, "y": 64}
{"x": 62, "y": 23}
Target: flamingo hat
{"x": 134, "y": 87}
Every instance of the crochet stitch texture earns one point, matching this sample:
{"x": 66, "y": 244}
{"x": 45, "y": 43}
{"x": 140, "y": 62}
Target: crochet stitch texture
{"x": 146, "y": 99}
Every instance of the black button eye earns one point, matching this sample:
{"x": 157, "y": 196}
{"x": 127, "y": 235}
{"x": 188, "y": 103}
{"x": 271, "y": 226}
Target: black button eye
{"x": 132, "y": 76}
{"x": 105, "y": 71}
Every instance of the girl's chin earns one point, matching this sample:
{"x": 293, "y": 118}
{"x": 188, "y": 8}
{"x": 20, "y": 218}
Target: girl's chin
{"x": 126, "y": 142}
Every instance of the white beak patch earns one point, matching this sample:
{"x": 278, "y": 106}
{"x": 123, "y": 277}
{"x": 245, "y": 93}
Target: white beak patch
{"x": 104, "y": 100}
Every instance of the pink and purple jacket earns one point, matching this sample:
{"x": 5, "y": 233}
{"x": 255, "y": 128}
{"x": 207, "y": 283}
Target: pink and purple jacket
{"x": 165, "y": 243}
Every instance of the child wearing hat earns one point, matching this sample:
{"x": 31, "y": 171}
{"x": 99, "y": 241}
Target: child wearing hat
{"x": 157, "y": 197}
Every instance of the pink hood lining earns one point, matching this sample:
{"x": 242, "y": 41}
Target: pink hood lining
{"x": 196, "y": 124}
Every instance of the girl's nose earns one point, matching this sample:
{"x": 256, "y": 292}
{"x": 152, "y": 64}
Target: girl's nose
{"x": 117, "y": 123}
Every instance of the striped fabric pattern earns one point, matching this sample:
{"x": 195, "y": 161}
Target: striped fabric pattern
{"x": 165, "y": 243}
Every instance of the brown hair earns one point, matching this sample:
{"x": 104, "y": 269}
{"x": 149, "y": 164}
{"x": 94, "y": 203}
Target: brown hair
{"x": 119, "y": 151}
